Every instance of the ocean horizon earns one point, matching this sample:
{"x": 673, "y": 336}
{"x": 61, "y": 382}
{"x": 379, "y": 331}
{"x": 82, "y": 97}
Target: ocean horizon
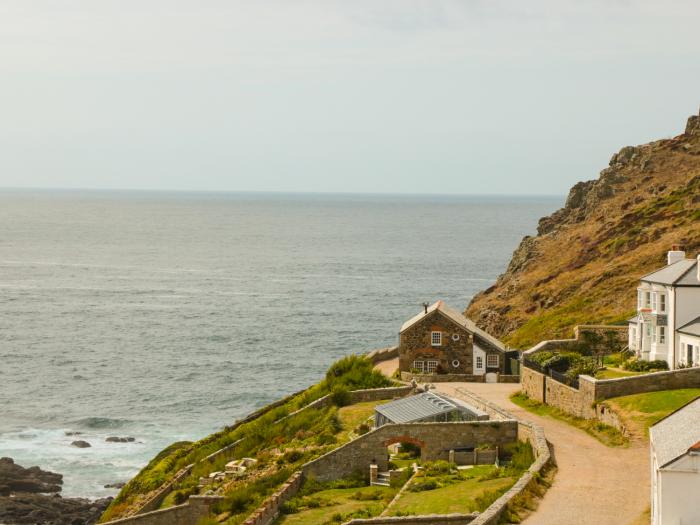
{"x": 164, "y": 316}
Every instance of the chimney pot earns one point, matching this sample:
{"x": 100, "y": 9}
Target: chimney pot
{"x": 675, "y": 254}
{"x": 425, "y": 307}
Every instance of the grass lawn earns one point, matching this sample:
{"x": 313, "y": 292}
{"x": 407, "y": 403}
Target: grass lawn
{"x": 609, "y": 436}
{"x": 467, "y": 495}
{"x": 643, "y": 410}
{"x": 353, "y": 416}
{"x": 613, "y": 373}
{"x": 339, "y": 501}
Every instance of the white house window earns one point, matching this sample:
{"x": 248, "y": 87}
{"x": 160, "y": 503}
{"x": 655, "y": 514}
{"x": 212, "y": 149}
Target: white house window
{"x": 647, "y": 299}
{"x": 418, "y": 365}
{"x": 492, "y": 360}
{"x": 436, "y": 338}
{"x": 648, "y": 330}
{"x": 639, "y": 299}
{"x": 479, "y": 362}
{"x": 662, "y": 334}
{"x": 431, "y": 366}
{"x": 662, "y": 302}
{"x": 653, "y": 301}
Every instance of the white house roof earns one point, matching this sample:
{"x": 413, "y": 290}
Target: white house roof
{"x": 680, "y": 273}
{"x": 459, "y": 319}
{"x": 677, "y": 433}
{"x": 691, "y": 328}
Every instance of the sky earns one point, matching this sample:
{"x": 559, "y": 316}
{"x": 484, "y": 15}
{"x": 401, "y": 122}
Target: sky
{"x": 403, "y": 96}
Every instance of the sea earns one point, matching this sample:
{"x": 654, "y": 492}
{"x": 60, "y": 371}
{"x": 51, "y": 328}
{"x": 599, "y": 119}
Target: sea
{"x": 165, "y": 316}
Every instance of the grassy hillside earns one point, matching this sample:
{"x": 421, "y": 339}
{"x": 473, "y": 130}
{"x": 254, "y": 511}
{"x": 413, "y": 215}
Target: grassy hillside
{"x": 306, "y": 435}
{"x": 585, "y": 262}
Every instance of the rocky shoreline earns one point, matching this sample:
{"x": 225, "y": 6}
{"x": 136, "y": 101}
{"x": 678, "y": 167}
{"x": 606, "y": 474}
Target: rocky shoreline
{"x": 31, "y": 496}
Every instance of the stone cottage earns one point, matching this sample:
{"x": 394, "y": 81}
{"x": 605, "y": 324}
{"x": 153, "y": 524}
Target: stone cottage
{"x": 440, "y": 340}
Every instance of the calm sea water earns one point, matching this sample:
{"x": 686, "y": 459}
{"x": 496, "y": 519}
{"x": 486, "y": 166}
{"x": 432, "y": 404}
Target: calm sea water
{"x": 166, "y": 316}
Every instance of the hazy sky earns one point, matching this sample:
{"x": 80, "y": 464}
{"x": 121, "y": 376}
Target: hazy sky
{"x": 369, "y": 96}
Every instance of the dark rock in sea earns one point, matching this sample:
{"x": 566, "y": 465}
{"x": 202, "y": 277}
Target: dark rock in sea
{"x": 23, "y": 498}
{"x": 72, "y": 433}
{"x": 118, "y": 485}
{"x": 81, "y": 444}
{"x": 14, "y": 478}
{"x": 114, "y": 439}
{"x": 26, "y": 508}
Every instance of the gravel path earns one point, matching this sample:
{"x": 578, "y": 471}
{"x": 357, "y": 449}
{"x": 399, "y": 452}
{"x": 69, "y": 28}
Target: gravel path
{"x": 594, "y": 484}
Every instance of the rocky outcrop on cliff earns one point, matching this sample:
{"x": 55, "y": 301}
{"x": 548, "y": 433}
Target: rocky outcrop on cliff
{"x": 30, "y": 495}
{"x": 584, "y": 262}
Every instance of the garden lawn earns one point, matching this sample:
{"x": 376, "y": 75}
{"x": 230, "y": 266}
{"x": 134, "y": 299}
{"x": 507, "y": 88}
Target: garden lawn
{"x": 463, "y": 497}
{"x": 606, "y": 434}
{"x": 341, "y": 502}
{"x": 352, "y": 416}
{"x": 643, "y": 410}
{"x": 613, "y": 373}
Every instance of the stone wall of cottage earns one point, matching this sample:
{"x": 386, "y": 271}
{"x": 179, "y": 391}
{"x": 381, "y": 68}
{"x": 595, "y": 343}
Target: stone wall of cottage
{"x": 415, "y": 344}
{"x": 435, "y": 439}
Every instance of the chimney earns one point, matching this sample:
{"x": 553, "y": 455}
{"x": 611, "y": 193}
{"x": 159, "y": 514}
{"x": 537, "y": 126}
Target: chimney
{"x": 425, "y": 305}
{"x": 676, "y": 254}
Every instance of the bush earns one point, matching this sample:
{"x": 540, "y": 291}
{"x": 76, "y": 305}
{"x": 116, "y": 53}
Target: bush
{"x": 373, "y": 495}
{"x": 340, "y": 396}
{"x": 421, "y": 485}
{"x": 436, "y": 468}
{"x": 362, "y": 429}
{"x": 401, "y": 480}
{"x": 409, "y": 449}
{"x": 637, "y": 365}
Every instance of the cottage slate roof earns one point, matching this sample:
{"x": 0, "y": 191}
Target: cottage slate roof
{"x": 680, "y": 273}
{"x": 677, "y": 433}
{"x": 417, "y": 407}
{"x": 458, "y": 319}
{"x": 691, "y": 328}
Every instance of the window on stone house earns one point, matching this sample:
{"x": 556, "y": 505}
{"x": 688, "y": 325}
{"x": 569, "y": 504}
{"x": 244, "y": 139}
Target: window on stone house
{"x": 479, "y": 362}
{"x": 431, "y": 366}
{"x": 418, "y": 365}
{"x": 492, "y": 360}
{"x": 436, "y": 338}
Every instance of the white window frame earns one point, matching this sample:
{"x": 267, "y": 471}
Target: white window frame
{"x": 662, "y": 334}
{"x": 491, "y": 359}
{"x": 431, "y": 366}
{"x": 662, "y": 302}
{"x": 647, "y": 299}
{"x": 639, "y": 300}
{"x": 419, "y": 365}
{"x": 435, "y": 338}
{"x": 653, "y": 301}
{"x": 479, "y": 362}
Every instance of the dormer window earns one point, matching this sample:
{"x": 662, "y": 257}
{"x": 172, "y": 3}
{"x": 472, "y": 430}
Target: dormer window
{"x": 436, "y": 338}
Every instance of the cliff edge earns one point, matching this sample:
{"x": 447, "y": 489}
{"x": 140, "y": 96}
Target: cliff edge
{"x": 584, "y": 263}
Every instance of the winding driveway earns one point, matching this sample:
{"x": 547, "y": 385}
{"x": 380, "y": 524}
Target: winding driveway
{"x": 594, "y": 484}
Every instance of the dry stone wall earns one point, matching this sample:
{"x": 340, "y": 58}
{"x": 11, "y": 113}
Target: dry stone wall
{"x": 196, "y": 508}
{"x": 270, "y": 508}
{"x": 427, "y": 519}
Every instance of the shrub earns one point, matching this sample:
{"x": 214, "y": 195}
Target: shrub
{"x": 637, "y": 365}
{"x": 362, "y": 429}
{"x": 409, "y": 449}
{"x": 401, "y": 480}
{"x": 436, "y": 468}
{"x": 421, "y": 485}
{"x": 372, "y": 495}
{"x": 340, "y": 396}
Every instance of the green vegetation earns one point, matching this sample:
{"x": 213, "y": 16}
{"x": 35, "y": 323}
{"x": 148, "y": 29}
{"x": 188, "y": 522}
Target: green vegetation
{"x": 313, "y": 430}
{"x": 573, "y": 364}
{"x": 609, "y": 436}
{"x": 335, "y": 502}
{"x": 643, "y": 410}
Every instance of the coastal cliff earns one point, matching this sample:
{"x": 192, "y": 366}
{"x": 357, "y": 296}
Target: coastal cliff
{"x": 584, "y": 263}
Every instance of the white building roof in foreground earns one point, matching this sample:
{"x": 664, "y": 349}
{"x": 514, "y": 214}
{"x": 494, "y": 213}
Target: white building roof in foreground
{"x": 677, "y": 434}
{"x": 680, "y": 273}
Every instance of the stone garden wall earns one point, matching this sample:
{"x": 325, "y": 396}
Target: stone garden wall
{"x": 435, "y": 440}
{"x": 456, "y": 378}
{"x": 426, "y": 519}
{"x": 270, "y": 508}
{"x": 653, "y": 382}
{"x": 383, "y": 354}
{"x": 190, "y": 513}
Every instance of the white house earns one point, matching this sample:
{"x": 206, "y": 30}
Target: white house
{"x": 667, "y": 324}
{"x": 674, "y": 444}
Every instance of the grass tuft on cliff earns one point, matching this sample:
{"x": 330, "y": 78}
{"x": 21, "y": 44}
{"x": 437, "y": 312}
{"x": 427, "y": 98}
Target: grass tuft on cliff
{"x": 584, "y": 264}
